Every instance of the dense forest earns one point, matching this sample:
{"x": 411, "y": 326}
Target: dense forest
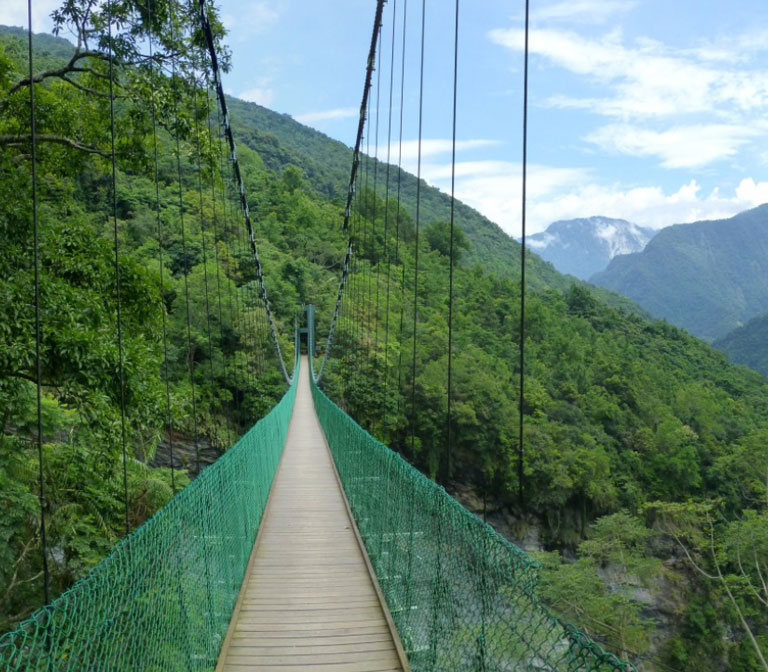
{"x": 644, "y": 480}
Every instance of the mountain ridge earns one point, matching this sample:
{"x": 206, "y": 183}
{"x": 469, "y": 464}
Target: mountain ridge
{"x": 707, "y": 277}
{"x": 584, "y": 246}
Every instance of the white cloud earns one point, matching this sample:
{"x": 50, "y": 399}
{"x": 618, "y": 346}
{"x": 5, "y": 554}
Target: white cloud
{"x": 691, "y": 146}
{"x": 685, "y": 107}
{"x": 647, "y": 79}
{"x": 252, "y": 18}
{"x": 497, "y": 193}
{"x": 327, "y": 115}
{"x": 649, "y": 206}
{"x": 14, "y": 13}
{"x": 431, "y": 148}
{"x": 261, "y": 95}
{"x": 592, "y": 11}
{"x": 494, "y": 189}
{"x": 733, "y": 48}
{"x": 542, "y": 242}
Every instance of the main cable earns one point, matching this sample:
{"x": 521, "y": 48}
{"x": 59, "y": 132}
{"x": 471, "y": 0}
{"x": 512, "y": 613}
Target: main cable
{"x": 352, "y": 181}
{"x": 206, "y": 25}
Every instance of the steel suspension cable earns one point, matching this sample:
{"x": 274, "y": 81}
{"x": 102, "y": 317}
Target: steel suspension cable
{"x": 254, "y": 318}
{"x": 360, "y": 238}
{"x": 401, "y": 330}
{"x": 386, "y": 198}
{"x": 38, "y": 329}
{"x": 353, "y": 293}
{"x": 367, "y": 224}
{"x": 374, "y": 225}
{"x": 206, "y": 295}
{"x": 161, "y": 260}
{"x": 118, "y": 298}
{"x": 252, "y": 357}
{"x": 449, "y": 390}
{"x": 185, "y": 269}
{"x": 352, "y": 182}
{"x": 215, "y": 223}
{"x": 235, "y": 315}
{"x": 206, "y": 25}
{"x": 418, "y": 222}
{"x": 236, "y": 311}
{"x": 521, "y": 444}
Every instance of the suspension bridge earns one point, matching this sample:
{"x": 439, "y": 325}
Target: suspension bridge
{"x": 308, "y": 544}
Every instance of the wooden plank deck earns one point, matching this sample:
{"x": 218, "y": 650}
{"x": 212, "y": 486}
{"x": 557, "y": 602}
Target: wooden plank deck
{"x": 308, "y": 600}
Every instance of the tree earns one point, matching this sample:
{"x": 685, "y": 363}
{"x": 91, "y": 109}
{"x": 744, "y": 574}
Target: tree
{"x": 110, "y": 58}
{"x": 733, "y": 555}
{"x": 616, "y": 546}
{"x": 439, "y": 239}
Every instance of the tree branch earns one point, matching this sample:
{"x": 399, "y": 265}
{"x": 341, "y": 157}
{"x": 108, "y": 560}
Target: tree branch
{"x": 17, "y": 140}
{"x": 25, "y": 376}
{"x": 695, "y": 565}
{"x": 579, "y": 610}
{"x": 762, "y": 578}
{"x": 752, "y": 589}
{"x": 91, "y": 71}
{"x": 731, "y": 597}
{"x": 85, "y": 89}
{"x": 57, "y": 72}
{"x": 17, "y": 566}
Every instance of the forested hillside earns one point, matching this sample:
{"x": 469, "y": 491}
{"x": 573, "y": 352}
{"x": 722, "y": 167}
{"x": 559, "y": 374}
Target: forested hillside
{"x": 643, "y": 445}
{"x": 281, "y": 142}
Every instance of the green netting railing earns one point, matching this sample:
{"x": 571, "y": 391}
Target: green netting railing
{"x": 462, "y": 597}
{"x": 161, "y": 601}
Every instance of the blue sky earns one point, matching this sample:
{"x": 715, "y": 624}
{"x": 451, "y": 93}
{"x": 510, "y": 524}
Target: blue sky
{"x": 652, "y": 111}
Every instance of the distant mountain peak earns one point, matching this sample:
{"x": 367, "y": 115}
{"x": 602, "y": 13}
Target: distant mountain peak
{"x": 585, "y": 246}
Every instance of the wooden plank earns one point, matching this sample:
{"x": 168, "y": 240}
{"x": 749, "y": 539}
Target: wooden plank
{"x": 309, "y": 649}
{"x": 264, "y": 640}
{"x": 248, "y": 630}
{"x": 308, "y": 601}
{"x": 305, "y": 605}
{"x": 387, "y": 657}
{"x": 375, "y": 666}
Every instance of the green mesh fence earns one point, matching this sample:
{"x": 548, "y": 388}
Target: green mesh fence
{"x": 163, "y": 598}
{"x": 462, "y": 597}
